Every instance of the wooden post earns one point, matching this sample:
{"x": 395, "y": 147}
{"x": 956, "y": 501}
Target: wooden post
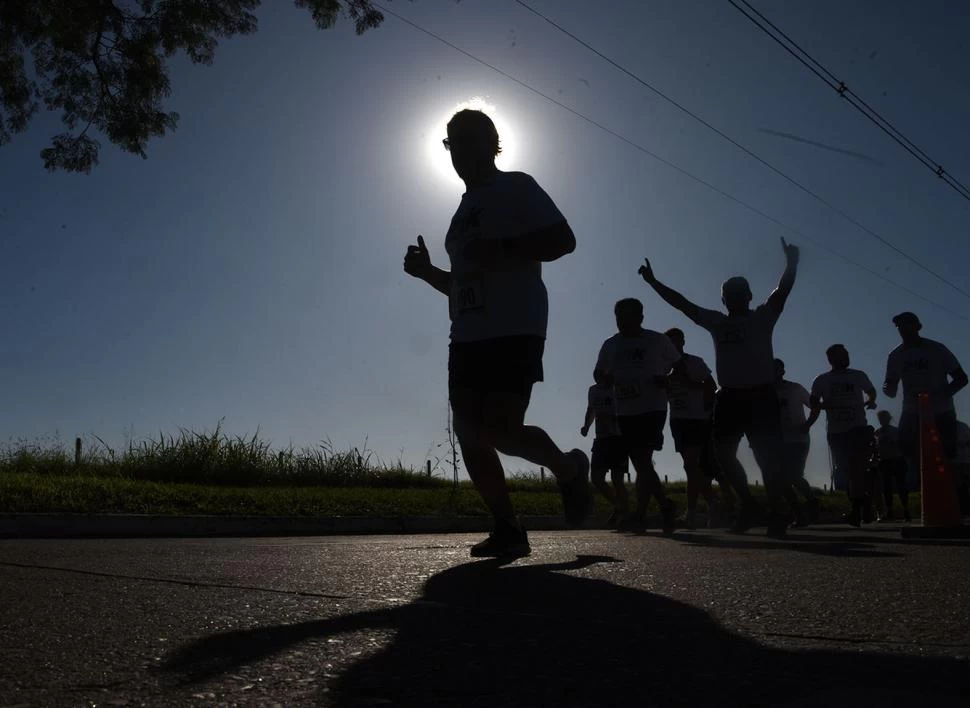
{"x": 542, "y": 474}
{"x": 665, "y": 480}
{"x": 77, "y": 452}
{"x": 429, "y": 467}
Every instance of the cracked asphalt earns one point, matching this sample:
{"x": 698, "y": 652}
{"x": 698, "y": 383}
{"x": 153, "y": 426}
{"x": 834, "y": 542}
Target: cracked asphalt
{"x": 831, "y": 617}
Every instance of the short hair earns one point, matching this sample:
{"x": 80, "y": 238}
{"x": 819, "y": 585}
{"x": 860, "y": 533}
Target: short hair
{"x": 836, "y": 348}
{"x": 736, "y": 284}
{"x": 628, "y": 303}
{"x": 675, "y": 332}
{"x": 884, "y": 414}
{"x": 779, "y": 362}
{"x": 480, "y": 124}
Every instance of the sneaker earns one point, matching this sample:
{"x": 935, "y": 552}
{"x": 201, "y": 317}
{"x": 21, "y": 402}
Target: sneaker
{"x": 801, "y": 519}
{"x": 613, "y": 521}
{"x": 853, "y": 518}
{"x": 747, "y": 518}
{"x": 577, "y": 494}
{"x": 867, "y": 515}
{"x": 504, "y": 542}
{"x": 777, "y": 526}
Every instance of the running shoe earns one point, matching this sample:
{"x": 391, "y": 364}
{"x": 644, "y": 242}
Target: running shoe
{"x": 505, "y": 541}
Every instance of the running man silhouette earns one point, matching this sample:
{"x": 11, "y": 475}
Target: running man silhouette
{"x": 845, "y": 394}
{"x": 505, "y": 227}
{"x": 794, "y": 400}
{"x": 924, "y": 366}
{"x": 746, "y": 404}
{"x": 892, "y": 465}
{"x": 638, "y": 361}
{"x": 690, "y": 387}
{"x": 609, "y": 449}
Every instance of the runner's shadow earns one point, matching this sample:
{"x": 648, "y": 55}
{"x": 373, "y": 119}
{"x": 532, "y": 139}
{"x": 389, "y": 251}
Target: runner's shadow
{"x": 548, "y": 635}
{"x": 814, "y": 545}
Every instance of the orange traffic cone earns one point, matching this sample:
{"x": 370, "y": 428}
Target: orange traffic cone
{"x": 940, "y": 507}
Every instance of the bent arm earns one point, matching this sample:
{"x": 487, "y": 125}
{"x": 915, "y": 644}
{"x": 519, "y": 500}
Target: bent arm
{"x": 547, "y": 244}
{"x": 675, "y": 299}
{"x": 958, "y": 382}
{"x": 438, "y": 279}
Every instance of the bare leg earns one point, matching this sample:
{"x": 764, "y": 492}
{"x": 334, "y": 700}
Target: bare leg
{"x": 598, "y": 478}
{"x": 648, "y": 481}
{"x": 731, "y": 468}
{"x": 621, "y": 496}
{"x": 767, "y": 451}
{"x": 504, "y": 430}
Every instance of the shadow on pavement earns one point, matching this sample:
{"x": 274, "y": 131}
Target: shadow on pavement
{"x": 802, "y": 543}
{"x": 535, "y": 635}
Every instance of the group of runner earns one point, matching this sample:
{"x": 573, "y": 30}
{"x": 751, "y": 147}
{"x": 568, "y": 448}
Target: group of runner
{"x": 505, "y": 227}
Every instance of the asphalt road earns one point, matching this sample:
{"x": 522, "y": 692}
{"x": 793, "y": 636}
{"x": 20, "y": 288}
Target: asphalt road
{"x": 829, "y": 618}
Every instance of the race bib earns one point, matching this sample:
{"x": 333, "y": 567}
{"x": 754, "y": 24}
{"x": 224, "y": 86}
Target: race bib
{"x": 627, "y": 390}
{"x": 468, "y": 295}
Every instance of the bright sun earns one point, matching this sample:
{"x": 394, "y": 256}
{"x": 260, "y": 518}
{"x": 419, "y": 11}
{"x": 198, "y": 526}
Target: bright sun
{"x": 439, "y": 158}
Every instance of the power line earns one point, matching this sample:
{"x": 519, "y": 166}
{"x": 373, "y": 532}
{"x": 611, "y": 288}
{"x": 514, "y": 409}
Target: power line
{"x": 839, "y": 86}
{"x": 748, "y": 152}
{"x": 668, "y": 163}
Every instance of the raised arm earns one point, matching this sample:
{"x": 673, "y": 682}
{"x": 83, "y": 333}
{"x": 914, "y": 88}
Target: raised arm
{"x": 417, "y": 263}
{"x": 669, "y": 295}
{"x": 779, "y": 296}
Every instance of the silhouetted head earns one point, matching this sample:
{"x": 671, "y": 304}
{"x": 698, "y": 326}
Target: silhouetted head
{"x": 779, "y": 370}
{"x": 838, "y": 356}
{"x": 629, "y": 316}
{"x": 676, "y": 336}
{"x": 884, "y": 417}
{"x": 908, "y": 325}
{"x": 473, "y": 144}
{"x": 736, "y": 294}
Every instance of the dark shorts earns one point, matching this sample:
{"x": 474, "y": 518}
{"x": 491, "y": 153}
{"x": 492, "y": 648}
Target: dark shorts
{"x": 689, "y": 432}
{"x": 502, "y": 365}
{"x": 609, "y": 455}
{"x": 946, "y": 425}
{"x": 645, "y": 430}
{"x": 742, "y": 412}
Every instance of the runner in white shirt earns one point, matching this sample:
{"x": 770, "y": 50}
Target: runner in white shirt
{"x": 892, "y": 465}
{"x": 746, "y": 404}
{"x": 923, "y": 366}
{"x": 794, "y": 400}
{"x": 845, "y": 394}
{"x": 690, "y": 388}
{"x": 504, "y": 229}
{"x": 609, "y": 452}
{"x": 638, "y": 361}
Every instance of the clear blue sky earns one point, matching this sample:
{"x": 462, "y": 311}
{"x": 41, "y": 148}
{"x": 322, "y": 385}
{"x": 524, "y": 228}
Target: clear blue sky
{"x": 251, "y": 268}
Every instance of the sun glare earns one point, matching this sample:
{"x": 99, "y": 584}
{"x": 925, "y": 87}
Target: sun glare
{"x": 439, "y": 158}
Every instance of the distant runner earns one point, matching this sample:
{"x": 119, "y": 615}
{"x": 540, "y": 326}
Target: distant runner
{"x": 609, "y": 449}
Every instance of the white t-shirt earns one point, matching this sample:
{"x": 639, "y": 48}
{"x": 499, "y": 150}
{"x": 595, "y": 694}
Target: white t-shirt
{"x": 634, "y": 363}
{"x": 923, "y": 369}
{"x": 742, "y": 346}
{"x": 687, "y": 402}
{"x": 793, "y": 399}
{"x": 888, "y": 438}
{"x": 842, "y": 394}
{"x": 603, "y": 405}
{"x": 510, "y": 298}
{"x": 963, "y": 444}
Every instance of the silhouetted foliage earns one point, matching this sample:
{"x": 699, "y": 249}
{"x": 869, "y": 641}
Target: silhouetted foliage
{"x": 103, "y": 63}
